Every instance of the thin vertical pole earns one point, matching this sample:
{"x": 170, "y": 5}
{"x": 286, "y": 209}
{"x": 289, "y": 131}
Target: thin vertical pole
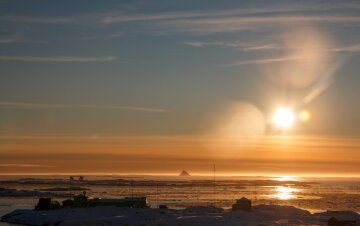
{"x": 157, "y": 195}
{"x": 255, "y": 193}
{"x": 214, "y": 186}
{"x": 132, "y": 189}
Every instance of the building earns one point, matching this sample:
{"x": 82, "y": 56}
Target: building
{"x": 47, "y": 204}
{"x": 242, "y": 204}
{"x": 81, "y": 200}
{"x": 335, "y": 222}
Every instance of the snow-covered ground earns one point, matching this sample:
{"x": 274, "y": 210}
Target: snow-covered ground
{"x": 192, "y": 216}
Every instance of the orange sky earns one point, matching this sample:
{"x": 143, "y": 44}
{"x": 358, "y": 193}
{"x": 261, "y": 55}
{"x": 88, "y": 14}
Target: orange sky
{"x": 267, "y": 155}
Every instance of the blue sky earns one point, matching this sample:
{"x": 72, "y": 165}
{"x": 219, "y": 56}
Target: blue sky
{"x": 185, "y": 59}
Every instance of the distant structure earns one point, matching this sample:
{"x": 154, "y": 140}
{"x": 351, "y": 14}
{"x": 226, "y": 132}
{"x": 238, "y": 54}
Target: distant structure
{"x": 47, "y": 204}
{"x": 162, "y": 206}
{"x": 214, "y": 187}
{"x": 80, "y": 179}
{"x": 184, "y": 174}
{"x": 335, "y": 222}
{"x": 242, "y": 204}
{"x": 82, "y": 201}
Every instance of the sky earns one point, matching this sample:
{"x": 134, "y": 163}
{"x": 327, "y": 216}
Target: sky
{"x": 161, "y": 86}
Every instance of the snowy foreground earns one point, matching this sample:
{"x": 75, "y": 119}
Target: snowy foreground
{"x": 192, "y": 216}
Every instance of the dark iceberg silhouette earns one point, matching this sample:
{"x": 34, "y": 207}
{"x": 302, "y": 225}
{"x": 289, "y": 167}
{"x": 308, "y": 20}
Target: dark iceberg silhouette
{"x": 184, "y": 174}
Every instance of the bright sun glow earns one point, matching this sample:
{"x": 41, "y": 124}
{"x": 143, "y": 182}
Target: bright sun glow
{"x": 285, "y": 178}
{"x": 284, "y": 193}
{"x": 283, "y": 118}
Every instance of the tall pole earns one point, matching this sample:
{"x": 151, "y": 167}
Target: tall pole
{"x": 132, "y": 189}
{"x": 214, "y": 186}
{"x": 157, "y": 195}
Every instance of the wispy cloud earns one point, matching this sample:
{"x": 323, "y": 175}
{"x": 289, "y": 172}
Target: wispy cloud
{"x": 108, "y": 36}
{"x": 268, "y": 60}
{"x": 9, "y": 40}
{"x": 247, "y": 47}
{"x": 350, "y": 48}
{"x": 238, "y": 45}
{"x": 12, "y": 39}
{"x": 15, "y": 165}
{"x": 210, "y": 21}
{"x": 41, "y": 20}
{"x": 233, "y": 24}
{"x": 116, "y": 17}
{"x": 104, "y": 107}
{"x": 273, "y": 60}
{"x": 235, "y": 44}
{"x": 58, "y": 58}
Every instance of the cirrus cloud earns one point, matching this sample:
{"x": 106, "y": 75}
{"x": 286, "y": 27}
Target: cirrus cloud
{"x": 58, "y": 58}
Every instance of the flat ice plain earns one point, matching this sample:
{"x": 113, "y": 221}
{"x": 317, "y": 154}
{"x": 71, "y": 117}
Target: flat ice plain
{"x": 192, "y": 216}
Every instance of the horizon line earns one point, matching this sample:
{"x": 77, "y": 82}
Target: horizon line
{"x": 332, "y": 176}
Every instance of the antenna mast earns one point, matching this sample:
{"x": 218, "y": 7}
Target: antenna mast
{"x": 157, "y": 195}
{"x": 214, "y": 186}
{"x": 132, "y": 189}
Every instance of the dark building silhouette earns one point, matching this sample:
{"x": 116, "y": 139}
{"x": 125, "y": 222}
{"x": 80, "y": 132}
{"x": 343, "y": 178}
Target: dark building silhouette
{"x": 242, "y": 204}
{"x": 47, "y": 204}
{"x": 335, "y": 222}
{"x": 81, "y": 200}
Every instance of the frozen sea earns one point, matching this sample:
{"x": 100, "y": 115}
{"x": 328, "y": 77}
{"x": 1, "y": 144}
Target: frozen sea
{"x": 313, "y": 194}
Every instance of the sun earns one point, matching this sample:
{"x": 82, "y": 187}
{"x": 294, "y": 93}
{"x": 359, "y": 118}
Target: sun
{"x": 283, "y": 118}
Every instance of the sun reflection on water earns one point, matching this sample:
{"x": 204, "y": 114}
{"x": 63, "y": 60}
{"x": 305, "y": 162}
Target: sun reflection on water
{"x": 286, "y": 178}
{"x": 284, "y": 193}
